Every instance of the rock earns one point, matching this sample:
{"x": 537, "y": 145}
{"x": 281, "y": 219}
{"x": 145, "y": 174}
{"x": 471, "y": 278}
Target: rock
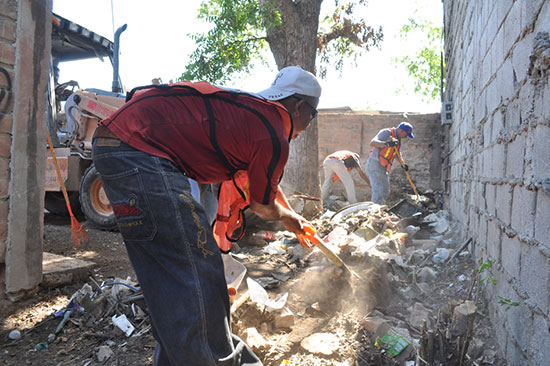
{"x": 284, "y": 320}
{"x": 424, "y": 287}
{"x": 51, "y": 337}
{"x": 104, "y": 353}
{"x": 14, "y": 335}
{"x": 323, "y": 343}
{"x": 426, "y": 274}
{"x": 419, "y": 313}
{"x": 375, "y": 325}
{"x": 254, "y": 339}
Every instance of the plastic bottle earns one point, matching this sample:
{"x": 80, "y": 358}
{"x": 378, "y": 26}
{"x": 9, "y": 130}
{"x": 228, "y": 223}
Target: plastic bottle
{"x": 441, "y": 255}
{"x": 265, "y": 235}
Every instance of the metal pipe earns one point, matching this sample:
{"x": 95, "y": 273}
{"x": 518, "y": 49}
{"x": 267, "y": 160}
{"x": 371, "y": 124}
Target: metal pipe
{"x": 117, "y": 85}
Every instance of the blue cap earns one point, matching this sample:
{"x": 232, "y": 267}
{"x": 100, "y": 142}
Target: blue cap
{"x": 408, "y": 128}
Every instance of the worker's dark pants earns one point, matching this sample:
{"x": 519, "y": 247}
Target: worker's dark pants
{"x": 174, "y": 255}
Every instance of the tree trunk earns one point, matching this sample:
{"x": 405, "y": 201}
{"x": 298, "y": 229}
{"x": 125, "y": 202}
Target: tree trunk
{"x": 295, "y": 43}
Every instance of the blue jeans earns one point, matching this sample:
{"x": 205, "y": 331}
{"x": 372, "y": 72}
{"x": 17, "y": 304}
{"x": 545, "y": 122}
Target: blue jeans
{"x": 379, "y": 180}
{"x": 174, "y": 255}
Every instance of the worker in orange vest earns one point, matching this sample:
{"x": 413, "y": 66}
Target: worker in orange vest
{"x": 337, "y": 167}
{"x": 385, "y": 146}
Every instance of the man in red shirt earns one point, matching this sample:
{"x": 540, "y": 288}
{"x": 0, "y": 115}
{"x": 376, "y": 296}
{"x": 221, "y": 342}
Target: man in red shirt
{"x": 145, "y": 154}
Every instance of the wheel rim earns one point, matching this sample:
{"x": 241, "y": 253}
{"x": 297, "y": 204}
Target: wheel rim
{"x": 100, "y": 202}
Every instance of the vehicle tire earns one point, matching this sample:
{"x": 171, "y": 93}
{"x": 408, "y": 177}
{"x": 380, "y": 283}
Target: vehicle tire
{"x": 94, "y": 202}
{"x": 55, "y": 203}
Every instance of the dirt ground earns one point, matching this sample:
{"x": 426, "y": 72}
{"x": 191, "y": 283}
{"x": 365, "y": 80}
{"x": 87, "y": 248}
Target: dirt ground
{"x": 322, "y": 300}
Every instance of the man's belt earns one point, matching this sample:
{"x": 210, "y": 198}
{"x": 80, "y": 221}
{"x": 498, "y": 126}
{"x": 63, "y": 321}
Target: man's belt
{"x": 102, "y": 131}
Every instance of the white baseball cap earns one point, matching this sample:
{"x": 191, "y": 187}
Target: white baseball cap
{"x": 292, "y": 80}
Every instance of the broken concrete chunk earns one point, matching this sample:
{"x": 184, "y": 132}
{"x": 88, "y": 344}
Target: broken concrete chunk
{"x": 419, "y": 314}
{"x": 375, "y": 325}
{"x": 426, "y": 274}
{"x": 323, "y": 343}
{"x": 284, "y": 320}
{"x": 254, "y": 339}
{"x": 104, "y": 353}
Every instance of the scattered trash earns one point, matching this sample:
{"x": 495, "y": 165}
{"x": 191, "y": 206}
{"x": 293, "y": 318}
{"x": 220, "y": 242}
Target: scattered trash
{"x": 41, "y": 346}
{"x": 260, "y": 296}
{"x": 104, "y": 353}
{"x": 275, "y": 247}
{"x": 234, "y": 271}
{"x": 393, "y": 342}
{"x": 441, "y": 255}
{"x": 122, "y": 323}
{"x": 14, "y": 335}
{"x": 51, "y": 337}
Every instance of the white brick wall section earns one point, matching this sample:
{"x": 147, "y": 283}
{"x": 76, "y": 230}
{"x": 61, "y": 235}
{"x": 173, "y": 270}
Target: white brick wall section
{"x": 511, "y": 249}
{"x": 542, "y": 218}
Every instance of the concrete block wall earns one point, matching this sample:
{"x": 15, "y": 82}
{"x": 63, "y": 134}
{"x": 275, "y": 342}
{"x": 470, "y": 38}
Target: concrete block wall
{"x": 353, "y": 130}
{"x": 8, "y": 18}
{"x": 496, "y": 168}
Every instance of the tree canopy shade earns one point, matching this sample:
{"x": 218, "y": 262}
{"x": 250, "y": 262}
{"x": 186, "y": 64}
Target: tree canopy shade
{"x": 426, "y": 65}
{"x": 243, "y": 29}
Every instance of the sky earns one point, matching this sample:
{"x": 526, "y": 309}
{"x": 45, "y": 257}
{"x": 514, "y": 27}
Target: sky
{"x": 157, "y": 44}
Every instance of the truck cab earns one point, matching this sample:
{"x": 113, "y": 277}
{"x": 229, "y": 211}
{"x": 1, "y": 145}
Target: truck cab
{"x": 73, "y": 114}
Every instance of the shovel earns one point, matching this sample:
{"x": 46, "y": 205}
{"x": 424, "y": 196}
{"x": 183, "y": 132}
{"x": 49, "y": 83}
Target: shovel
{"x": 312, "y": 237}
{"x": 408, "y": 175}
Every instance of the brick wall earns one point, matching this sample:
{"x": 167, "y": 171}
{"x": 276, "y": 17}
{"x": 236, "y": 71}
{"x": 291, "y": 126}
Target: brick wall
{"x": 353, "y": 130}
{"x": 497, "y": 170}
{"x": 8, "y": 17}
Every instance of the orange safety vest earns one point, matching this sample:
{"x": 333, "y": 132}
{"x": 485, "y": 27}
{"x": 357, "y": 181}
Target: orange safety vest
{"x": 387, "y": 154}
{"x": 234, "y": 199}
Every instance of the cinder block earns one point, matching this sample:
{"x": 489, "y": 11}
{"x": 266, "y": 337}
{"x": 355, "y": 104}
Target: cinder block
{"x": 482, "y": 235}
{"x": 493, "y": 94}
{"x": 542, "y": 218}
{"x": 505, "y": 80}
{"x": 513, "y": 353}
{"x": 497, "y": 126}
{"x": 493, "y": 240}
{"x": 490, "y": 199}
{"x": 498, "y": 161}
{"x": 512, "y": 25}
{"x": 530, "y": 11}
{"x": 541, "y": 151}
{"x": 523, "y": 210}
{"x": 515, "y": 157}
{"x": 520, "y": 54}
{"x": 504, "y": 203}
{"x": 540, "y": 341}
{"x": 511, "y": 252}
{"x": 534, "y": 275}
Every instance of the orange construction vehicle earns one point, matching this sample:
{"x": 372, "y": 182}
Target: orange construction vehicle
{"x": 72, "y": 118}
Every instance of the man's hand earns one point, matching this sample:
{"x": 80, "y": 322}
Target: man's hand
{"x": 406, "y": 167}
{"x": 392, "y": 142}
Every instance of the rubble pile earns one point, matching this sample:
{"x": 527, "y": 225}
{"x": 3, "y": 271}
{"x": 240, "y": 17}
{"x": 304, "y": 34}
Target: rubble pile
{"x": 410, "y": 297}
{"x": 413, "y": 302}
